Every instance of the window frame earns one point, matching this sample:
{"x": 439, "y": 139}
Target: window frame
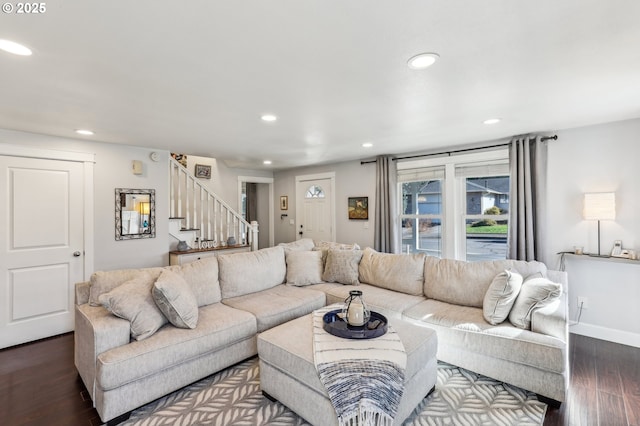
{"x": 453, "y": 213}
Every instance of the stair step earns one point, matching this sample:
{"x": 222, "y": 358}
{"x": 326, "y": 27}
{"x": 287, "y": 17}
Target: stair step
{"x": 189, "y": 229}
{"x": 176, "y": 218}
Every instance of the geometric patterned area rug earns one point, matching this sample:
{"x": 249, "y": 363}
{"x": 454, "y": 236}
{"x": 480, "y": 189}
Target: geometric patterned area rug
{"x": 233, "y": 397}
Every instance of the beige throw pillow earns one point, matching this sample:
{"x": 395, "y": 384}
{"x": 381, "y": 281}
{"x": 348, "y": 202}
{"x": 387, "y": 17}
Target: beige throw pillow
{"x": 132, "y": 301}
{"x": 501, "y": 296}
{"x": 342, "y": 266}
{"x": 176, "y": 300}
{"x": 304, "y": 267}
{"x": 535, "y": 293}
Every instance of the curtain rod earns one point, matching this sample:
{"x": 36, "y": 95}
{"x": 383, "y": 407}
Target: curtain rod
{"x": 457, "y": 151}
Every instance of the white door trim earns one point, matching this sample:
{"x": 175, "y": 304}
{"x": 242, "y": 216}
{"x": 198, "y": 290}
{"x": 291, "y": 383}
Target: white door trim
{"x": 257, "y": 179}
{"x": 332, "y": 178}
{"x": 88, "y": 160}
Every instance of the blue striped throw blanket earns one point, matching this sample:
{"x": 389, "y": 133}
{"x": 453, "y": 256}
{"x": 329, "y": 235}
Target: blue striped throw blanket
{"x": 364, "y": 378}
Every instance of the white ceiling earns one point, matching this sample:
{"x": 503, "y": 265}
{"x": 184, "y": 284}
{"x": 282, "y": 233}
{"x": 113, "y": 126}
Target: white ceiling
{"x": 195, "y": 77}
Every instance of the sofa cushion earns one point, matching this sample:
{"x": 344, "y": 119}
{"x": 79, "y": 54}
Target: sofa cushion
{"x": 202, "y": 277}
{"x": 278, "y": 304}
{"x": 500, "y": 296}
{"x": 328, "y": 245}
{"x": 464, "y": 327}
{"x": 342, "y": 266}
{"x": 466, "y": 283}
{"x": 175, "y": 299}
{"x": 387, "y": 302}
{"x": 303, "y": 244}
{"x": 245, "y": 273}
{"x": 304, "y": 267}
{"x": 133, "y": 301}
{"x": 398, "y": 272}
{"x": 536, "y": 292}
{"x": 219, "y": 326}
{"x": 104, "y": 281}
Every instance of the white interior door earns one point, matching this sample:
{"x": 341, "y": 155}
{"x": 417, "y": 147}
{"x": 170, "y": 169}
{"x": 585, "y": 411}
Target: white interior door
{"x": 41, "y": 246}
{"x": 314, "y": 208}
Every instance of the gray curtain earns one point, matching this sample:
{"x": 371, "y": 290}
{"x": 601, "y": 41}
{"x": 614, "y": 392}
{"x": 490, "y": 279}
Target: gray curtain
{"x": 528, "y": 164}
{"x": 385, "y": 235}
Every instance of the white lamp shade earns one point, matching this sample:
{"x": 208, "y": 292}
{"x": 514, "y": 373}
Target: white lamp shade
{"x": 599, "y": 206}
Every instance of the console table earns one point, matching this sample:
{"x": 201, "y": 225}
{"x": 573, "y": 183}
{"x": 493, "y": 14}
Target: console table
{"x": 182, "y": 257}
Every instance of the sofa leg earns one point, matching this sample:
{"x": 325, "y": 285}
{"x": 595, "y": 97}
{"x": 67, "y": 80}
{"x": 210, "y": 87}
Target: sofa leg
{"x": 117, "y": 420}
{"x": 549, "y": 401}
{"x": 269, "y": 397}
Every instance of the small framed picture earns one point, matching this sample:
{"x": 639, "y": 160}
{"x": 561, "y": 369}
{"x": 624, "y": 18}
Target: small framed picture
{"x": 284, "y": 202}
{"x": 358, "y": 208}
{"x": 203, "y": 171}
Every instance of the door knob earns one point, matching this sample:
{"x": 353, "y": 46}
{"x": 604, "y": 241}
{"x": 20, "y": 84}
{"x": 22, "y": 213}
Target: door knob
{"x": 76, "y": 254}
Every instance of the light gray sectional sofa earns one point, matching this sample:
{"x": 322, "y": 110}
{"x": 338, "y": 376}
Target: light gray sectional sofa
{"x": 186, "y": 322}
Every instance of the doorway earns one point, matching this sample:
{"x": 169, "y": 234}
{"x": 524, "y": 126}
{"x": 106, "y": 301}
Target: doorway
{"x": 255, "y": 195}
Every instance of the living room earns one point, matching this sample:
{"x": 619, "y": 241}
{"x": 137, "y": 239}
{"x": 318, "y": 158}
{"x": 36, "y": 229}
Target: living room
{"x": 595, "y": 150}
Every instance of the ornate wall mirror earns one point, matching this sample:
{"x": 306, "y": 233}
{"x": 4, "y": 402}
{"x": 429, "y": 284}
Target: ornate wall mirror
{"x": 135, "y": 213}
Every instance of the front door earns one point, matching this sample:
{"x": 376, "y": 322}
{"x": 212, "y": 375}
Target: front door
{"x": 41, "y": 246}
{"x": 314, "y": 209}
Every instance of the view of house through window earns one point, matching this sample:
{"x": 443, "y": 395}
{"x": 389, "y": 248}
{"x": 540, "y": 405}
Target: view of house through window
{"x": 487, "y": 217}
{"x": 455, "y": 207}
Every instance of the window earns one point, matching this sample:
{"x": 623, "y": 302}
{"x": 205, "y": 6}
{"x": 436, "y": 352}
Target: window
{"x": 421, "y": 210}
{"x": 455, "y": 207}
{"x": 314, "y": 191}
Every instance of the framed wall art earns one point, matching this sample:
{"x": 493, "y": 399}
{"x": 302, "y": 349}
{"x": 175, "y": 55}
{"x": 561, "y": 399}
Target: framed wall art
{"x": 358, "y": 208}
{"x": 203, "y": 171}
{"x": 284, "y": 202}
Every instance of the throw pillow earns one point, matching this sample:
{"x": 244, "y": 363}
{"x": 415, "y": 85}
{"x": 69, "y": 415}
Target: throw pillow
{"x": 132, "y": 301}
{"x": 535, "y": 293}
{"x": 304, "y": 267}
{"x": 342, "y": 266}
{"x": 301, "y": 244}
{"x": 176, "y": 300}
{"x": 500, "y": 297}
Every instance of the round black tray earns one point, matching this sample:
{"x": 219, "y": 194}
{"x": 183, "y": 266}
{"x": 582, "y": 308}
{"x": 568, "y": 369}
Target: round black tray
{"x": 375, "y": 327}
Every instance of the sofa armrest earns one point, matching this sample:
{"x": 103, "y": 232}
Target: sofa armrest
{"x": 96, "y": 331}
{"x": 82, "y": 293}
{"x": 552, "y": 319}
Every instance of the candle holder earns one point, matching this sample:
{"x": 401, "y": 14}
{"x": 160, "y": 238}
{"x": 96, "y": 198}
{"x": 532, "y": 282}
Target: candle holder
{"x": 355, "y": 311}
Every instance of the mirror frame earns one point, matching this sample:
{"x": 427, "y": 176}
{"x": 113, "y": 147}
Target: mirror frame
{"x": 120, "y": 192}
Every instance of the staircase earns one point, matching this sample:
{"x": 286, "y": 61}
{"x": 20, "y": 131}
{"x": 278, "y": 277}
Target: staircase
{"x": 201, "y": 218}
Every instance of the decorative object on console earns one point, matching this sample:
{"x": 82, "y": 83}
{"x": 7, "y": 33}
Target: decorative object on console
{"x": 183, "y": 246}
{"x": 358, "y": 208}
{"x": 231, "y": 241}
{"x": 203, "y": 171}
{"x": 599, "y": 206}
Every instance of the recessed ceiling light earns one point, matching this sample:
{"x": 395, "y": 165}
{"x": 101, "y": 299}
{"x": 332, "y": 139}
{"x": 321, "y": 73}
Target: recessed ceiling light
{"x": 367, "y": 145}
{"x": 422, "y": 61}
{"x": 266, "y": 162}
{"x": 15, "y": 48}
{"x": 491, "y": 121}
{"x": 84, "y": 132}
{"x": 269, "y": 117}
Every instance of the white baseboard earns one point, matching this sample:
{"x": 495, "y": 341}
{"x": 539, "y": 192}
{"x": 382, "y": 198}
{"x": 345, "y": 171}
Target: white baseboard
{"x": 609, "y": 334}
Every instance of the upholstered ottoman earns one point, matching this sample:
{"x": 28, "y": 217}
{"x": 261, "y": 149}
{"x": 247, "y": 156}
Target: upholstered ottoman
{"x": 288, "y": 374}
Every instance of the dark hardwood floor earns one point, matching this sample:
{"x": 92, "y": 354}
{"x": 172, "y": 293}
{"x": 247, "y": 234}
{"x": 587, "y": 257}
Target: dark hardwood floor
{"x": 39, "y": 385}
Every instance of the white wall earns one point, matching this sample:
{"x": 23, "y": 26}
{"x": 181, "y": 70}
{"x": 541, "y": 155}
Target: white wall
{"x": 224, "y": 180}
{"x": 352, "y": 180}
{"x": 599, "y": 158}
{"x": 113, "y": 170}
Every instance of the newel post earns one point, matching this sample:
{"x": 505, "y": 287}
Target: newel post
{"x": 254, "y": 235}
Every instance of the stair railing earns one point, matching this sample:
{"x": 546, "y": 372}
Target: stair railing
{"x": 206, "y": 213}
